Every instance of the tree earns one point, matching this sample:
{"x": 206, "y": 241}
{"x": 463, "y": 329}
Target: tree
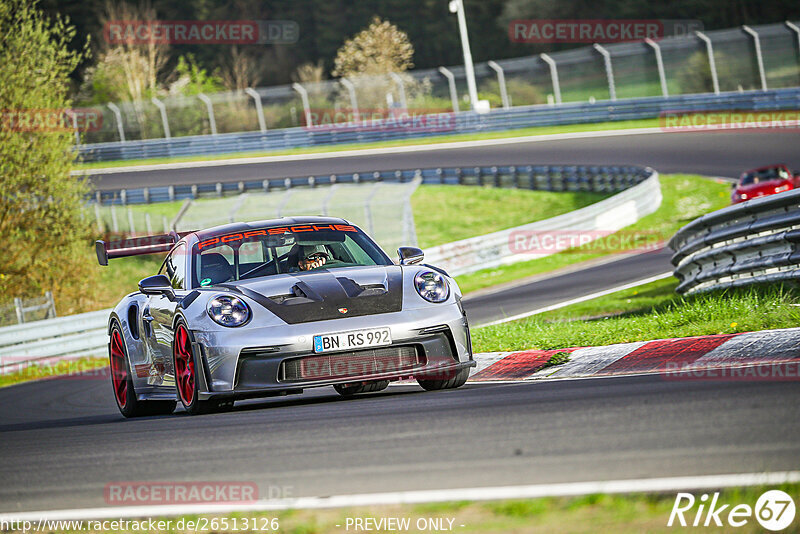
{"x": 44, "y": 236}
{"x": 379, "y": 49}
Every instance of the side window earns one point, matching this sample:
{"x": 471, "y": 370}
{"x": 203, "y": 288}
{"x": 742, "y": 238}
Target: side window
{"x": 176, "y": 267}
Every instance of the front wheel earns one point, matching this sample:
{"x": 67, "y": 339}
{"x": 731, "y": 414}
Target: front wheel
{"x": 456, "y": 381}
{"x": 122, "y": 382}
{"x": 186, "y": 374}
{"x": 348, "y": 390}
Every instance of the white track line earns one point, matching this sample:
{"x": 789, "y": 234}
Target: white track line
{"x": 369, "y": 151}
{"x": 668, "y": 484}
{"x": 579, "y": 299}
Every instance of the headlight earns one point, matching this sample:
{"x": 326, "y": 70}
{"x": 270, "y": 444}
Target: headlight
{"x": 228, "y": 311}
{"x": 432, "y": 286}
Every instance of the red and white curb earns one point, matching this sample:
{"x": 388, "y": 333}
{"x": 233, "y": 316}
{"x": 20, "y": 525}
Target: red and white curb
{"x": 676, "y": 355}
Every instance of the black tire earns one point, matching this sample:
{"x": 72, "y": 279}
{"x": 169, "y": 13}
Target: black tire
{"x": 186, "y": 384}
{"x": 456, "y": 381}
{"x": 127, "y": 402}
{"x": 348, "y": 390}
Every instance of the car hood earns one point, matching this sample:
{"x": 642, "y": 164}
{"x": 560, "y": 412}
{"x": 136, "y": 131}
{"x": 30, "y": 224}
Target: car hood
{"x": 323, "y": 294}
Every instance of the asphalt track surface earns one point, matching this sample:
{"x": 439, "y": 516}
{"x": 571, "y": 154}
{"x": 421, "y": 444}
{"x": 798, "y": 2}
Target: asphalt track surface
{"x": 712, "y": 153}
{"x": 62, "y": 441}
{"x": 546, "y": 291}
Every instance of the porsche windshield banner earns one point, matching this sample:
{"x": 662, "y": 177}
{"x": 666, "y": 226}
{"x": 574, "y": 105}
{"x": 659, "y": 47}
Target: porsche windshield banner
{"x": 275, "y": 231}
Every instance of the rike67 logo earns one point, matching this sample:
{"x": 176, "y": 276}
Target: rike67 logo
{"x": 774, "y": 511}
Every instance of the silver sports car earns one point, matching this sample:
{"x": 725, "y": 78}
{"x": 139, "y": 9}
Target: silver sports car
{"x": 274, "y": 307}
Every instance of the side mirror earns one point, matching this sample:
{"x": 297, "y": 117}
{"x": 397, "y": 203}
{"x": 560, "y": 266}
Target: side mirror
{"x": 410, "y": 255}
{"x": 156, "y": 285}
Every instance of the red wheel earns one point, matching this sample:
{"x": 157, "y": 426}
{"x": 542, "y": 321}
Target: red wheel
{"x": 186, "y": 374}
{"x": 122, "y": 382}
{"x": 184, "y": 366}
{"x": 119, "y": 369}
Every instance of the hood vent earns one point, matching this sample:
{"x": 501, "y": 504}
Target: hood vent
{"x": 301, "y": 294}
{"x": 354, "y": 289}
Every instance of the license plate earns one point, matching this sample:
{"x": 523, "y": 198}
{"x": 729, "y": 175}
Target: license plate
{"x": 357, "y": 339}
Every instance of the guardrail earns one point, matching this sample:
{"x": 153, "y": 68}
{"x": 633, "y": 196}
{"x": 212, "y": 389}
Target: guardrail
{"x": 450, "y": 123}
{"x": 596, "y": 178}
{"x": 753, "y": 242}
{"x": 584, "y": 225}
{"x": 72, "y": 336}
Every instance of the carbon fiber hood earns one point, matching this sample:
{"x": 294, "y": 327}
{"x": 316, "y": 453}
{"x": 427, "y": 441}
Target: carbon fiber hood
{"x": 322, "y": 295}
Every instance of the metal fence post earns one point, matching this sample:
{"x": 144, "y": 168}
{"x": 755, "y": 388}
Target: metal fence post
{"x": 501, "y": 80}
{"x": 262, "y": 125}
{"x": 612, "y": 90}
{"x": 327, "y": 199}
{"x": 351, "y": 89}
{"x": 284, "y": 201}
{"x": 451, "y": 82}
{"x": 163, "y": 110}
{"x": 793, "y": 27}
{"x": 759, "y": 57}
{"x": 118, "y": 118}
{"x": 71, "y": 114}
{"x": 19, "y": 310}
{"x": 401, "y": 88}
{"x": 130, "y": 221}
{"x": 304, "y": 97}
{"x": 211, "y": 120}
{"x": 662, "y": 77}
{"x": 711, "y": 63}
{"x": 554, "y": 75}
{"x": 173, "y": 225}
{"x": 98, "y": 217}
{"x": 52, "y": 303}
{"x": 114, "y": 224}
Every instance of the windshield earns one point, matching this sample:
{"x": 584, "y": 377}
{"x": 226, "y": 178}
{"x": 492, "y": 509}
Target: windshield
{"x": 278, "y": 250}
{"x": 764, "y": 175}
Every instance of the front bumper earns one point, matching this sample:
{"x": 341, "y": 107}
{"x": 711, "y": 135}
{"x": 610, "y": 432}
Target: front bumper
{"x": 251, "y": 362}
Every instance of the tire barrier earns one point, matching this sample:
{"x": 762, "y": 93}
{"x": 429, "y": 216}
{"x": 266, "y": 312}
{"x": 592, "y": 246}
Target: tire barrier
{"x": 753, "y": 242}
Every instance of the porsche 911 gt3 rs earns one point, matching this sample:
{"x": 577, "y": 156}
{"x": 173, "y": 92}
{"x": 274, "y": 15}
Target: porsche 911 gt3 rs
{"x": 275, "y": 307}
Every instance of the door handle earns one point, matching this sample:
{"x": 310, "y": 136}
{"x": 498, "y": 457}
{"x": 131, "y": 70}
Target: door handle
{"x": 147, "y": 317}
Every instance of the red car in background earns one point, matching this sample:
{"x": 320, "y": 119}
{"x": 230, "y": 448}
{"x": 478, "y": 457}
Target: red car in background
{"x": 764, "y": 181}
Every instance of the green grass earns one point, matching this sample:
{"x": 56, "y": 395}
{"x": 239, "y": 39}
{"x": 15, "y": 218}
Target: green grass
{"x": 80, "y": 369}
{"x": 631, "y": 513}
{"x": 650, "y": 311}
{"x": 539, "y": 130}
{"x": 444, "y": 213}
{"x": 686, "y": 197}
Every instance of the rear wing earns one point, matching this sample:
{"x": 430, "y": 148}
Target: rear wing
{"x": 135, "y": 246}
